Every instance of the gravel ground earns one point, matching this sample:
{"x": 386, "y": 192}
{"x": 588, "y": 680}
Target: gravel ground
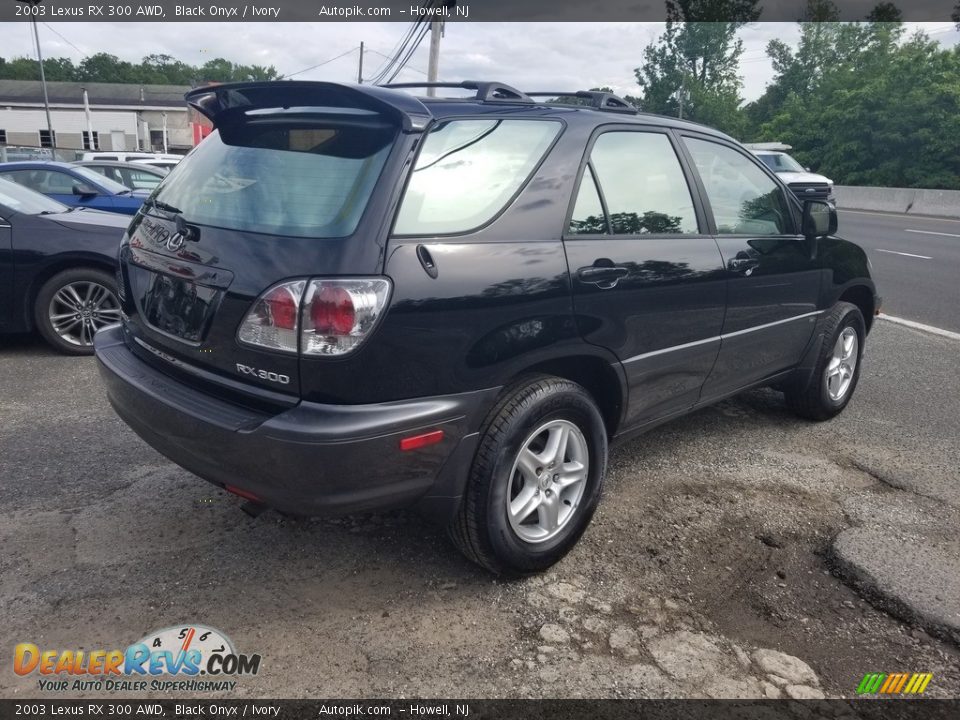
{"x": 707, "y": 571}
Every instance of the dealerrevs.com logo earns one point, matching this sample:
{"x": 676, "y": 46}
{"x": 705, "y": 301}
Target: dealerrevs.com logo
{"x": 198, "y": 658}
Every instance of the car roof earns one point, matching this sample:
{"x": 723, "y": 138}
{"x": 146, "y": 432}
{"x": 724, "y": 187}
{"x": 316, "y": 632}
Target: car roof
{"x": 221, "y": 102}
{"x": 113, "y": 163}
{"x": 36, "y": 165}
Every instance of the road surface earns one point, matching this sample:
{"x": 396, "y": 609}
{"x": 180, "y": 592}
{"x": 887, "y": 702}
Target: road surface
{"x": 916, "y": 263}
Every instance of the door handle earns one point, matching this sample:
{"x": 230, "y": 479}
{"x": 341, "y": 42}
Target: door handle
{"x": 603, "y": 277}
{"x": 744, "y": 266}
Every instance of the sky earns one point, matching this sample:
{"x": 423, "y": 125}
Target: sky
{"x": 530, "y": 56}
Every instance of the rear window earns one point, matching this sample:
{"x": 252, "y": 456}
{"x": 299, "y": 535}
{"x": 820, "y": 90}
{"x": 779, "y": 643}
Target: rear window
{"x": 309, "y": 180}
{"x": 468, "y": 170}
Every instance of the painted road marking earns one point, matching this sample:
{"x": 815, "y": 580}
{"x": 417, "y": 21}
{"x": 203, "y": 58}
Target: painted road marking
{"x": 894, "y": 252}
{"x": 931, "y": 232}
{"x": 932, "y": 218}
{"x": 920, "y": 326}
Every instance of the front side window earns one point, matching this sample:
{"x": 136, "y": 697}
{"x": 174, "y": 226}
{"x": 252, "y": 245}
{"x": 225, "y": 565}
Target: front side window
{"x": 22, "y": 200}
{"x": 642, "y": 183}
{"x": 744, "y": 199}
{"x": 48, "y": 182}
{"x": 467, "y": 172}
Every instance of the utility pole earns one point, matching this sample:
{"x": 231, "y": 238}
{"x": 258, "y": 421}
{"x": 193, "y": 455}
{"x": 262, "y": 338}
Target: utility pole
{"x": 43, "y": 80}
{"x": 433, "y": 67}
{"x": 683, "y": 92}
{"x": 360, "y": 67}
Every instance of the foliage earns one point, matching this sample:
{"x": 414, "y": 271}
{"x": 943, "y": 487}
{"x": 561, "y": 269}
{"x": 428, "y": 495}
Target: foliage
{"x": 152, "y": 70}
{"x": 865, "y": 105}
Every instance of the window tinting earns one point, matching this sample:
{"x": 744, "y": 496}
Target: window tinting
{"x": 468, "y": 170}
{"x": 588, "y": 217}
{"x": 643, "y": 184}
{"x": 745, "y": 201}
{"x": 308, "y": 181}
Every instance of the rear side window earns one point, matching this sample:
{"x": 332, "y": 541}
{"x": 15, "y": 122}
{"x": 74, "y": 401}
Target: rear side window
{"x": 643, "y": 186}
{"x": 307, "y": 180}
{"x": 467, "y": 172}
{"x": 744, "y": 200}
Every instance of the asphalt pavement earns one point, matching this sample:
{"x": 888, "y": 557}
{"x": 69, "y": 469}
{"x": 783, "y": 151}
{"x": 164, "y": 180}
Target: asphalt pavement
{"x": 916, "y": 263}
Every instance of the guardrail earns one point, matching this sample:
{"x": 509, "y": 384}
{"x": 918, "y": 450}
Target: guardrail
{"x": 915, "y": 201}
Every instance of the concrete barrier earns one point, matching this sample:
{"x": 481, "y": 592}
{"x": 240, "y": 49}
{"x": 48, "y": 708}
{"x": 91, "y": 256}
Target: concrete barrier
{"x": 915, "y": 201}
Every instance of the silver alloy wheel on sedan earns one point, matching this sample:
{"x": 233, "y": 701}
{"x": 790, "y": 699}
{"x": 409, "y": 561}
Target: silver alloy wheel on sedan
{"x": 547, "y": 481}
{"x": 843, "y": 364}
{"x": 79, "y": 309}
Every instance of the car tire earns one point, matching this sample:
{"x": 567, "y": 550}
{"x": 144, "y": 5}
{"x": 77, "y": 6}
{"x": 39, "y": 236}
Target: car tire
{"x": 534, "y": 417}
{"x": 837, "y": 370}
{"x": 90, "y": 294}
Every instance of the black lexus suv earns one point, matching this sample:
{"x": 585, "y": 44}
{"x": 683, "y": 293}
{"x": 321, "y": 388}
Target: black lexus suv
{"x": 349, "y": 298}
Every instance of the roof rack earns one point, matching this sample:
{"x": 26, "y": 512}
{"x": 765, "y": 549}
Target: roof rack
{"x": 486, "y": 91}
{"x": 599, "y": 99}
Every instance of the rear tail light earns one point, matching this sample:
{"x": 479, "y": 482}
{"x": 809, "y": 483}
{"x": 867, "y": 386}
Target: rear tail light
{"x": 338, "y": 315}
{"x": 316, "y": 317}
{"x": 273, "y": 320}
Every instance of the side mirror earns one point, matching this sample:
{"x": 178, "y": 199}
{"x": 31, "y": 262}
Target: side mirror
{"x": 819, "y": 219}
{"x": 807, "y": 169}
{"x": 83, "y": 190}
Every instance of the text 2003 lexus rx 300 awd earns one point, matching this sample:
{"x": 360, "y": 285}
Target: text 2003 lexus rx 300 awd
{"x": 348, "y": 298}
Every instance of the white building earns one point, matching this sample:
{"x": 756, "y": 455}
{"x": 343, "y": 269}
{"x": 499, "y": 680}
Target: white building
{"x": 122, "y": 116}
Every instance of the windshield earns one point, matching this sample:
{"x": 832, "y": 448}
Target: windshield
{"x": 97, "y": 179}
{"x": 24, "y": 200}
{"x": 781, "y": 162}
{"x": 306, "y": 179}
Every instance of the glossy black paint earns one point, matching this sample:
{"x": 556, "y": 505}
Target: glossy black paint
{"x": 685, "y": 323}
{"x": 35, "y": 247}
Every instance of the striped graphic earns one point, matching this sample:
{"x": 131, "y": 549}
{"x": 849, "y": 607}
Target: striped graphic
{"x": 894, "y": 683}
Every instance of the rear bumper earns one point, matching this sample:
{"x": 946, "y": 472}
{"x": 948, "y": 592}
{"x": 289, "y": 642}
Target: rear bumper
{"x": 311, "y": 459}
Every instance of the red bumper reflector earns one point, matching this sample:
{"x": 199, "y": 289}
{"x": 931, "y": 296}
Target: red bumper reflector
{"x": 242, "y": 493}
{"x": 419, "y": 441}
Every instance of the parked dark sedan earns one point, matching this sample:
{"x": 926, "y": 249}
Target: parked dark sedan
{"x": 136, "y": 176}
{"x": 57, "y": 268}
{"x": 75, "y": 186}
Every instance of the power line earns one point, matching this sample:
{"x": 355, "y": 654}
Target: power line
{"x": 381, "y": 70}
{"x": 409, "y": 67}
{"x": 325, "y": 62}
{"x": 50, "y": 28}
{"x": 413, "y": 49}
{"x": 405, "y": 48}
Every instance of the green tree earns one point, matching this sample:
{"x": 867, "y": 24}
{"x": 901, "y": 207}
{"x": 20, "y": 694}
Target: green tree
{"x": 878, "y": 109}
{"x": 153, "y": 69}
{"x": 693, "y": 69}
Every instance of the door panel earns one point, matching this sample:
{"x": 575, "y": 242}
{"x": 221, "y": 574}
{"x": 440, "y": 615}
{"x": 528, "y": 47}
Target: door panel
{"x": 646, "y": 284}
{"x": 773, "y": 283}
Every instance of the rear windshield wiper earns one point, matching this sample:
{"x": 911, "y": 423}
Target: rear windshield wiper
{"x": 161, "y": 205}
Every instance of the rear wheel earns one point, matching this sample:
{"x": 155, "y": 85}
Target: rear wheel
{"x": 838, "y": 366}
{"x": 536, "y": 478}
{"x": 72, "y": 305}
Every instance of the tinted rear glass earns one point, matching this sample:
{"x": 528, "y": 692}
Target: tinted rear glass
{"x": 312, "y": 180}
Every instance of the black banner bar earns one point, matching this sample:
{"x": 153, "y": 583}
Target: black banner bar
{"x": 448, "y": 10}
{"x": 873, "y": 709}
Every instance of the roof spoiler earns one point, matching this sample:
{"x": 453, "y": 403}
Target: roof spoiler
{"x": 221, "y": 103}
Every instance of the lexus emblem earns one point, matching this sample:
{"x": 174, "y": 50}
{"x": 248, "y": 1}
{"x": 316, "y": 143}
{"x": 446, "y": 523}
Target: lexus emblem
{"x": 175, "y": 241}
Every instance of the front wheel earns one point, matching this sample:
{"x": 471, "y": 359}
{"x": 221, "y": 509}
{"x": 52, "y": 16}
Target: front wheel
{"x": 536, "y": 478}
{"x": 838, "y": 366}
{"x": 72, "y": 305}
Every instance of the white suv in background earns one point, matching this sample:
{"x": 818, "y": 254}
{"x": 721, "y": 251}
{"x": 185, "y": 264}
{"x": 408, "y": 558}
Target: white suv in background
{"x": 805, "y": 184}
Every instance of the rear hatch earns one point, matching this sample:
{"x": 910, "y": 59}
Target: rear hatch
{"x": 295, "y": 182}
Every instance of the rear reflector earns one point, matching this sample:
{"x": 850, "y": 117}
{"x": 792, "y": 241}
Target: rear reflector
{"x": 242, "y": 493}
{"x": 419, "y": 441}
